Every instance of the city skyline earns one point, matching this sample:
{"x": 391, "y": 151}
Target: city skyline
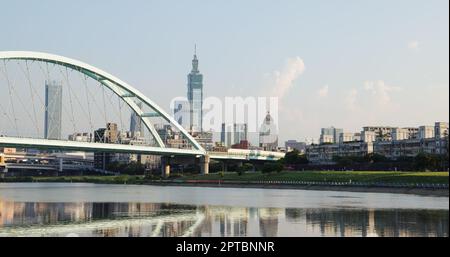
{"x": 327, "y": 71}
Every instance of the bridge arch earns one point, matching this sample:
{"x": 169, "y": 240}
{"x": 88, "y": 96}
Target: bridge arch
{"x": 122, "y": 89}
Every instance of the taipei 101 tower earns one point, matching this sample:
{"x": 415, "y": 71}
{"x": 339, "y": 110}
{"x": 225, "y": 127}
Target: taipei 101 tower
{"x": 195, "y": 96}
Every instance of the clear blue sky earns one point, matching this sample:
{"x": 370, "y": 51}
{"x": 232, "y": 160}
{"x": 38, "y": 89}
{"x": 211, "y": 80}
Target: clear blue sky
{"x": 365, "y": 62}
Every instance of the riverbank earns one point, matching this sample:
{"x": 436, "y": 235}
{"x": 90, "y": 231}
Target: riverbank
{"x": 363, "y": 189}
{"x": 370, "y": 177}
{"x": 420, "y": 183}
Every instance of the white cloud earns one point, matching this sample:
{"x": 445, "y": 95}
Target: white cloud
{"x": 413, "y": 45}
{"x": 380, "y": 90}
{"x": 284, "y": 79}
{"x": 350, "y": 100}
{"x": 323, "y": 92}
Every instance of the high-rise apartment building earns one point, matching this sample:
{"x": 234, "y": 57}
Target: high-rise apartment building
{"x": 441, "y": 129}
{"x": 330, "y": 135}
{"x": 426, "y": 132}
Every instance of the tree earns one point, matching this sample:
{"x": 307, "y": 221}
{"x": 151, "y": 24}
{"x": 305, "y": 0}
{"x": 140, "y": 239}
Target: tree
{"x": 294, "y": 158}
{"x": 272, "y": 167}
{"x": 374, "y": 157}
{"x": 343, "y": 161}
{"x": 243, "y": 168}
{"x": 424, "y": 161}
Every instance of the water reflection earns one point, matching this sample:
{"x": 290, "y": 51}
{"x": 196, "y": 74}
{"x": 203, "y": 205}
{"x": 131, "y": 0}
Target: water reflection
{"x": 168, "y": 220}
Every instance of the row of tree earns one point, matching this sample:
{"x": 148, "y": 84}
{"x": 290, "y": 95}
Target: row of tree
{"x": 132, "y": 168}
{"x": 422, "y": 161}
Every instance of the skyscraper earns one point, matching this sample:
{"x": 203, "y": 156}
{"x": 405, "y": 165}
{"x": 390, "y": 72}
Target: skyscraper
{"x": 240, "y": 132}
{"x": 268, "y": 134}
{"x": 195, "y": 96}
{"x": 181, "y": 113}
{"x": 53, "y": 109}
{"x": 136, "y": 124}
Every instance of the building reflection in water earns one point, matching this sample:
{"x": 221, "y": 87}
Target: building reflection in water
{"x": 169, "y": 220}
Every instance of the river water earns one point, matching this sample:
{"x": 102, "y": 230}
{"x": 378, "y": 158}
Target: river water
{"x": 57, "y": 209}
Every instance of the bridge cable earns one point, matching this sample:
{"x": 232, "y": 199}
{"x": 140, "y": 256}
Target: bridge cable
{"x": 88, "y": 92}
{"x": 30, "y": 84}
{"x": 88, "y": 102}
{"x": 119, "y": 115}
{"x": 5, "y": 72}
{"x": 104, "y": 103}
{"x": 3, "y": 110}
{"x": 14, "y": 90}
{"x": 66, "y": 77}
{"x": 47, "y": 74}
{"x": 41, "y": 100}
{"x": 87, "y": 113}
{"x": 5, "y": 113}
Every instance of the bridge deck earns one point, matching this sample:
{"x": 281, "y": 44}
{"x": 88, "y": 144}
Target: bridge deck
{"x": 63, "y": 145}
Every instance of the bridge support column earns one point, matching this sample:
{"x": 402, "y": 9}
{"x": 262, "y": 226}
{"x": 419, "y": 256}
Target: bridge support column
{"x": 204, "y": 165}
{"x": 165, "y": 166}
{"x": 60, "y": 166}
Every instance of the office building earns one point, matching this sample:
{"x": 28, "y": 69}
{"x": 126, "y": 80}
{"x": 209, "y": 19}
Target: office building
{"x": 109, "y": 135}
{"x": 239, "y": 132}
{"x": 233, "y": 134}
{"x": 81, "y": 137}
{"x": 53, "y": 110}
{"x": 136, "y": 126}
{"x": 330, "y": 135}
{"x": 226, "y": 135}
{"x": 291, "y": 145}
{"x": 181, "y": 113}
{"x": 326, "y": 139}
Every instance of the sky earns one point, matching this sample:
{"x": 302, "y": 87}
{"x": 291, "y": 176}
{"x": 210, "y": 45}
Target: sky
{"x": 346, "y": 64}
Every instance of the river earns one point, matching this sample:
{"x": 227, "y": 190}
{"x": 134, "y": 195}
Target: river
{"x": 65, "y": 209}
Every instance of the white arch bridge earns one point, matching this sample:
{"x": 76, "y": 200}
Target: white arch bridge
{"x": 143, "y": 107}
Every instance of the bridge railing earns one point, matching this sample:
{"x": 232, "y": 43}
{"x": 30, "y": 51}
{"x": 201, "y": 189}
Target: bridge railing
{"x": 249, "y": 154}
{"x": 319, "y": 183}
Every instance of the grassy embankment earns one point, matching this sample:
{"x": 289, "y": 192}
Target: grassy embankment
{"x": 305, "y": 176}
{"x": 334, "y": 176}
{"x": 122, "y": 179}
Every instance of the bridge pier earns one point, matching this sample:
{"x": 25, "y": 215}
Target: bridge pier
{"x": 165, "y": 166}
{"x": 204, "y": 165}
{"x": 60, "y": 165}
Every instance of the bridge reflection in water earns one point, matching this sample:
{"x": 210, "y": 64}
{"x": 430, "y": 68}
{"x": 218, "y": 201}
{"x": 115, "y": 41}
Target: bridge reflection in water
{"x": 168, "y": 220}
